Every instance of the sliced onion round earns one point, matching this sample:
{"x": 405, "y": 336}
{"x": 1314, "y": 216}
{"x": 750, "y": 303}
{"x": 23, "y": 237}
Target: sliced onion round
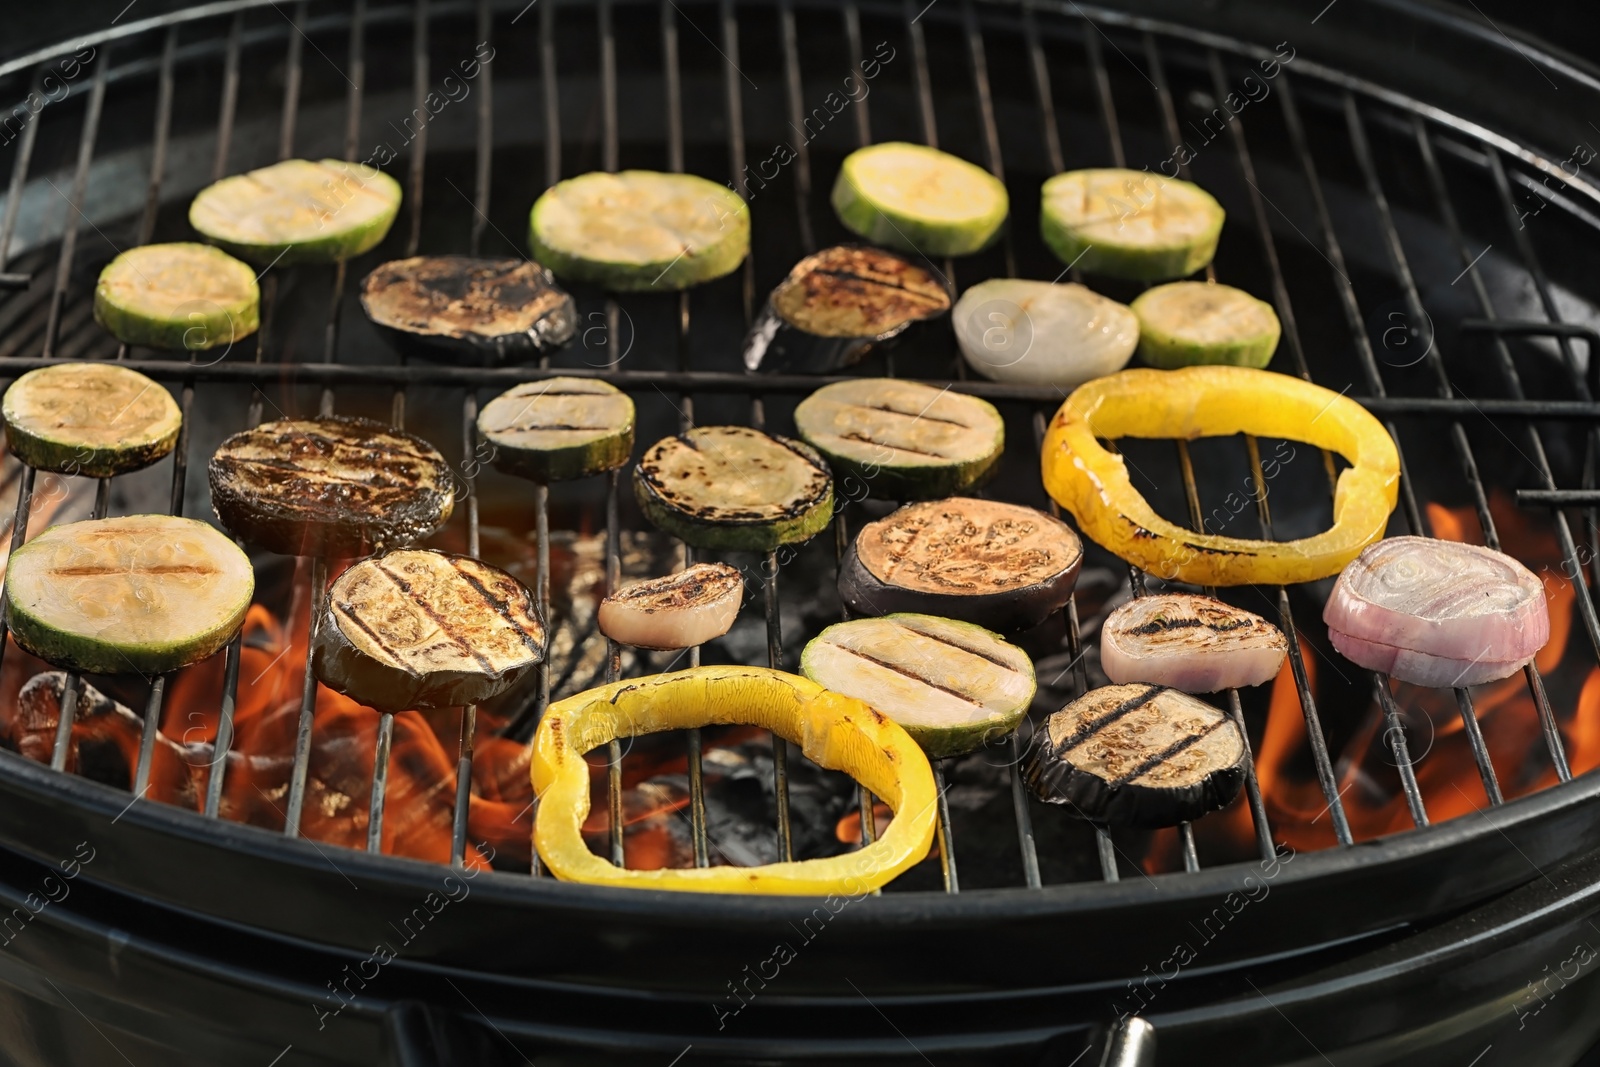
{"x": 1042, "y": 333}
{"x": 1190, "y": 643}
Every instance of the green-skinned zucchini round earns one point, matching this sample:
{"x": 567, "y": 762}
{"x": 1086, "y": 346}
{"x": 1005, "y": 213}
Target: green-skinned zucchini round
{"x": 420, "y": 629}
{"x": 178, "y": 297}
{"x": 298, "y": 211}
{"x": 902, "y": 440}
{"x": 1187, "y": 323}
{"x": 92, "y": 419}
{"x": 140, "y": 594}
{"x": 1130, "y": 223}
{"x": 1000, "y": 566}
{"x": 1137, "y": 755}
{"x": 640, "y": 230}
{"x": 838, "y": 305}
{"x": 332, "y": 486}
{"x": 919, "y": 199}
{"x": 559, "y": 429}
{"x": 734, "y": 488}
{"x": 953, "y": 686}
{"x": 464, "y": 310}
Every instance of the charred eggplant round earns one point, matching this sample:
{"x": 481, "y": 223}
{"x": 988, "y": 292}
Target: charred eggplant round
{"x": 1138, "y": 755}
{"x": 465, "y": 310}
{"x": 93, "y": 419}
{"x": 137, "y": 594}
{"x": 836, "y": 306}
{"x": 333, "y": 486}
{"x": 1000, "y": 566}
{"x": 558, "y": 429}
{"x": 419, "y": 629}
{"x": 734, "y": 488}
{"x": 680, "y": 610}
{"x": 951, "y": 685}
{"x": 902, "y": 440}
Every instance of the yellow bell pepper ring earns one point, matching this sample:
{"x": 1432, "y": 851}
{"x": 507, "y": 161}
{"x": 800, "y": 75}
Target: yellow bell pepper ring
{"x": 1211, "y": 401}
{"x": 838, "y": 732}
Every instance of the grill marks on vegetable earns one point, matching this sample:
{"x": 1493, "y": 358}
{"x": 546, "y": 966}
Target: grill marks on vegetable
{"x": 1193, "y": 643}
{"x": 335, "y": 485}
{"x": 559, "y": 428}
{"x": 459, "y": 307}
{"x": 92, "y": 419}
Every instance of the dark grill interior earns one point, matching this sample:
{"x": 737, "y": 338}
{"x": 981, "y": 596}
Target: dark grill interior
{"x": 1415, "y": 263}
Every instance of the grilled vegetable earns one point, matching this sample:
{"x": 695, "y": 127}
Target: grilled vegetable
{"x": 1042, "y": 333}
{"x": 679, "y": 610}
{"x": 1093, "y": 484}
{"x": 466, "y": 310}
{"x": 1185, "y": 323}
{"x": 1437, "y": 613}
{"x": 902, "y": 440}
{"x": 1192, "y": 643}
{"x": 1130, "y": 223}
{"x": 734, "y": 488}
{"x": 178, "y": 297}
{"x": 952, "y": 686}
{"x": 640, "y": 230}
{"x": 333, "y": 486}
{"x": 997, "y": 565}
{"x": 559, "y": 428}
{"x": 93, "y": 419}
{"x": 1137, "y": 755}
{"x": 919, "y": 199}
{"x": 836, "y": 732}
{"x": 419, "y": 629}
{"x": 142, "y": 594}
{"x": 838, "y": 305}
{"x": 298, "y": 211}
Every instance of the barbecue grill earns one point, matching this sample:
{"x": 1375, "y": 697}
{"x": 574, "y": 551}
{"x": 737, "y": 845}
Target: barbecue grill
{"x": 1408, "y": 189}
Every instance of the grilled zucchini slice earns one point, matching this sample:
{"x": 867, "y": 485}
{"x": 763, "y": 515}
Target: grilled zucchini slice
{"x": 951, "y": 685}
{"x": 919, "y": 199}
{"x": 298, "y": 211}
{"x": 420, "y": 629}
{"x": 93, "y": 419}
{"x": 559, "y": 429}
{"x": 734, "y": 488}
{"x": 459, "y": 309}
{"x": 838, "y": 305}
{"x": 902, "y": 440}
{"x": 1043, "y": 333}
{"x": 140, "y": 594}
{"x": 1188, "y": 323}
{"x": 1001, "y": 566}
{"x": 178, "y": 297}
{"x": 640, "y": 230}
{"x": 333, "y": 486}
{"x": 1130, "y": 223}
{"x": 1138, "y": 755}
{"x": 680, "y": 610}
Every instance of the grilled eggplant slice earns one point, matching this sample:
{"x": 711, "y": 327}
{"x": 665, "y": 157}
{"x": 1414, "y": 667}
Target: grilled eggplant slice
{"x": 178, "y": 297}
{"x": 298, "y": 211}
{"x": 558, "y": 429}
{"x": 1187, "y": 323}
{"x": 140, "y": 594}
{"x": 903, "y": 440}
{"x": 333, "y": 486}
{"x": 838, "y": 305}
{"x": 464, "y": 310}
{"x": 93, "y": 419}
{"x": 999, "y": 566}
{"x": 1130, "y": 223}
{"x": 734, "y": 488}
{"x": 420, "y": 629}
{"x": 1138, "y": 755}
{"x": 919, "y": 199}
{"x": 681, "y": 610}
{"x": 1192, "y": 643}
{"x": 952, "y": 686}
{"x": 640, "y": 230}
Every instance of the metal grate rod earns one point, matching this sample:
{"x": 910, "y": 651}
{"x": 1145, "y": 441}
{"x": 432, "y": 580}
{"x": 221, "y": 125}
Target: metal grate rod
{"x": 80, "y": 185}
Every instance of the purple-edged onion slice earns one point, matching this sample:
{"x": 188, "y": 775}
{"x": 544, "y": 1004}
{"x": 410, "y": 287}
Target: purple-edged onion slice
{"x": 1190, "y": 643}
{"x": 1437, "y": 613}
